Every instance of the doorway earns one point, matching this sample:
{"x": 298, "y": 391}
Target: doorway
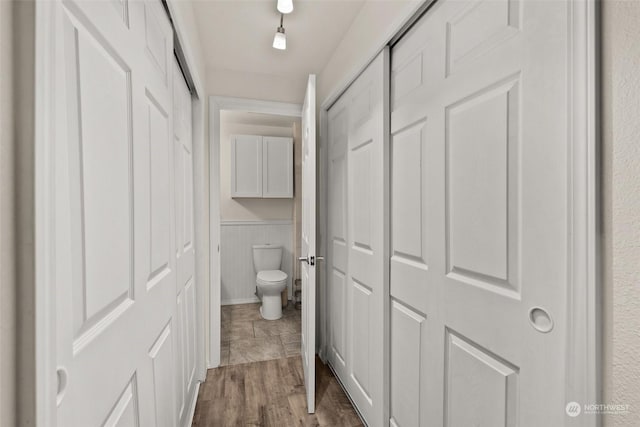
{"x": 260, "y": 183}
{"x": 237, "y": 222}
{"x": 253, "y": 176}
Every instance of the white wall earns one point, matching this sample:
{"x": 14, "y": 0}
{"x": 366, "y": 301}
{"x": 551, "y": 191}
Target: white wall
{"x": 17, "y": 225}
{"x": 7, "y": 218}
{"x": 249, "y": 209}
{"x": 371, "y": 29}
{"x": 243, "y": 84}
{"x": 621, "y": 184}
{"x": 237, "y": 238}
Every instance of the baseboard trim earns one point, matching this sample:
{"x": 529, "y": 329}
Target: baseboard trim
{"x": 235, "y": 301}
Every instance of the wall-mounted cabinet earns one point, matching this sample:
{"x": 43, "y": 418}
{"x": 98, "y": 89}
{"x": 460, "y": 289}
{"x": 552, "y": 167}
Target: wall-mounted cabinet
{"x": 261, "y": 166}
{"x": 246, "y": 166}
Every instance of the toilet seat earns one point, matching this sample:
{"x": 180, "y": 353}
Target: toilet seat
{"x": 271, "y": 277}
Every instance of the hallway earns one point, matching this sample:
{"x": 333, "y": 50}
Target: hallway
{"x": 271, "y": 393}
{"x": 394, "y": 213}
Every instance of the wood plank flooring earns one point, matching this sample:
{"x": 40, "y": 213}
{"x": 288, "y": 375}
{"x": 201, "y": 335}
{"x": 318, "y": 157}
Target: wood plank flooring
{"x": 271, "y": 394}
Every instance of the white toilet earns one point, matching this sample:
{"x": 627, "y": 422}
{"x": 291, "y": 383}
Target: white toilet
{"x": 269, "y": 280}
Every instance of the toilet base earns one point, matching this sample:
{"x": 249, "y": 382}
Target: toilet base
{"x": 271, "y": 308}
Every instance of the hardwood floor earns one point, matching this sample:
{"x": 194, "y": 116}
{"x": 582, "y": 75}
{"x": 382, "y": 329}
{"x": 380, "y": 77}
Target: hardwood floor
{"x": 271, "y": 393}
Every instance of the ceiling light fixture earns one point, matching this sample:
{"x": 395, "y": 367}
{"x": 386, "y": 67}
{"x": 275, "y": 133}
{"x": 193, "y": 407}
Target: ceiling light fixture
{"x": 280, "y": 39}
{"x": 285, "y": 6}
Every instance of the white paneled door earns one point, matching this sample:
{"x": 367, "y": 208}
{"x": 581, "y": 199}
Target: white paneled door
{"x": 357, "y": 257}
{"x": 123, "y": 240}
{"x": 308, "y": 242}
{"x": 479, "y": 221}
{"x": 185, "y": 315}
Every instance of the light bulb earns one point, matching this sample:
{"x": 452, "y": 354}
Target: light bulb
{"x": 285, "y": 6}
{"x": 280, "y": 39}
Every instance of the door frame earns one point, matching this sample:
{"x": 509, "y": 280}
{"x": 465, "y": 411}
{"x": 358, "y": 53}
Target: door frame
{"x": 217, "y": 104}
{"x": 44, "y": 297}
{"x": 584, "y": 253}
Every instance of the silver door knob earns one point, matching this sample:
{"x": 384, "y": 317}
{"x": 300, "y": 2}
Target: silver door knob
{"x": 310, "y": 259}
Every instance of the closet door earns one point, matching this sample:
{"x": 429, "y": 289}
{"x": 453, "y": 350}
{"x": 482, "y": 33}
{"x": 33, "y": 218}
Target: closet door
{"x": 337, "y": 254}
{"x": 185, "y": 317}
{"x": 479, "y": 228}
{"x": 114, "y": 237}
{"x": 358, "y": 284}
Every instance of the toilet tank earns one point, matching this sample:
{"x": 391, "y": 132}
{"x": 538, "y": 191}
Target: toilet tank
{"x": 267, "y": 257}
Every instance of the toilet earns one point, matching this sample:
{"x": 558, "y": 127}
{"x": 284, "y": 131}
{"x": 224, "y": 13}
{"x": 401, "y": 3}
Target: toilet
{"x": 270, "y": 281}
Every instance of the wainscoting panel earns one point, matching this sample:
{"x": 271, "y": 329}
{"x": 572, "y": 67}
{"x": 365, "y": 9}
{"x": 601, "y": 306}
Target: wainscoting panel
{"x": 236, "y": 241}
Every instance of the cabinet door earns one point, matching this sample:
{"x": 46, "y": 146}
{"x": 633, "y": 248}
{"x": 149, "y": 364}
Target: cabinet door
{"x": 246, "y": 166}
{"x": 277, "y": 167}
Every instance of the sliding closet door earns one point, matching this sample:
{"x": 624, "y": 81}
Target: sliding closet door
{"x": 114, "y": 241}
{"x": 358, "y": 285}
{"x": 337, "y": 255}
{"x": 185, "y": 317}
{"x": 479, "y": 231}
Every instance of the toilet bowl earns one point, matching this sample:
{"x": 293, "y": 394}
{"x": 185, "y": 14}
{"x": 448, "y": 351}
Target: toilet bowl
{"x": 270, "y": 281}
{"x": 270, "y": 284}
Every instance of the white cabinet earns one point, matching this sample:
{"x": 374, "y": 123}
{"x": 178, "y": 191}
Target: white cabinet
{"x": 277, "y": 167}
{"x": 246, "y": 166}
{"x": 261, "y": 166}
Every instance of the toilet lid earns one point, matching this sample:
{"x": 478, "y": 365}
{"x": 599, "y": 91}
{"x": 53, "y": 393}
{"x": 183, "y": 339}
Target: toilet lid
{"x": 272, "y": 275}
